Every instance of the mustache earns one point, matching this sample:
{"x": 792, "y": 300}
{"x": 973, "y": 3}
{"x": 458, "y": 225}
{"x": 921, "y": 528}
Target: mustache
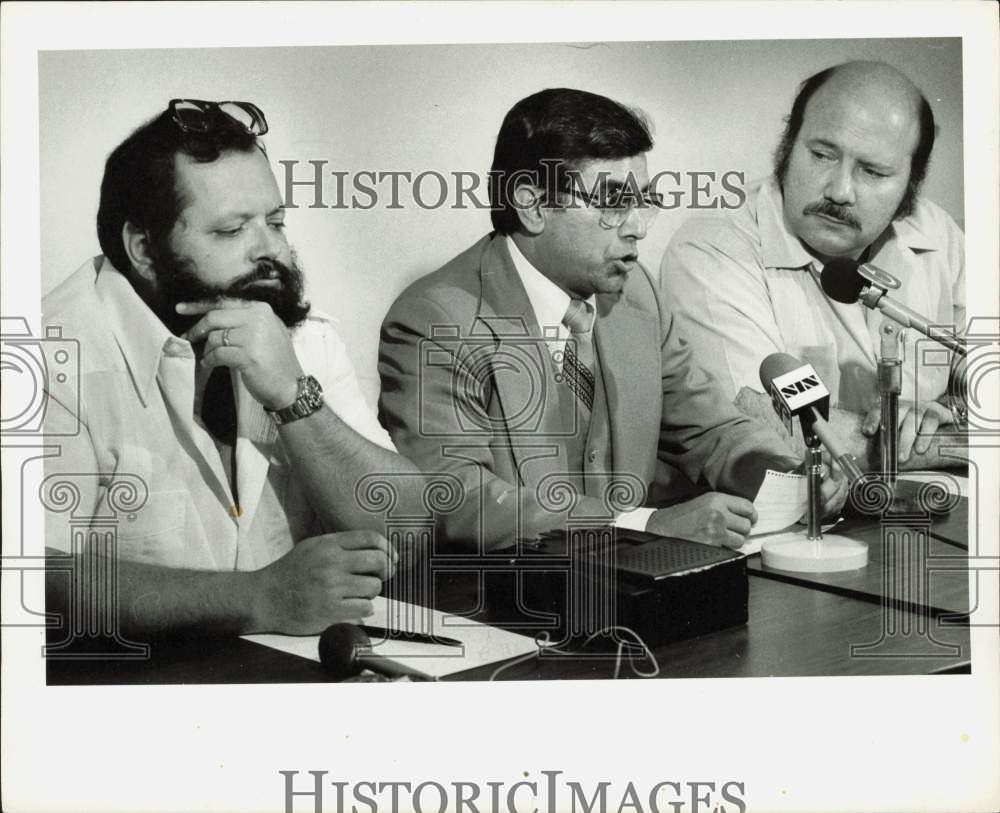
{"x": 180, "y": 283}
{"x": 834, "y": 210}
{"x": 285, "y": 299}
{"x": 265, "y": 271}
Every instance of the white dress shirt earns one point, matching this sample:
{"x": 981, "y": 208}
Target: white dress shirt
{"x": 549, "y": 302}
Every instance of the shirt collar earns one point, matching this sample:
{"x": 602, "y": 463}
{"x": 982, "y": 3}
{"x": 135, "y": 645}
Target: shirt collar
{"x": 141, "y": 336}
{"x": 548, "y": 300}
{"x": 781, "y": 249}
{"x": 914, "y": 230}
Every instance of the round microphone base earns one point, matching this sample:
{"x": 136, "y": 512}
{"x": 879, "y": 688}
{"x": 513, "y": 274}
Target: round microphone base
{"x": 831, "y": 554}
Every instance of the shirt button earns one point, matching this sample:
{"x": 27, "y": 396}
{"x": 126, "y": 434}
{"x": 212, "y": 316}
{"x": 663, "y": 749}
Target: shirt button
{"x": 177, "y": 347}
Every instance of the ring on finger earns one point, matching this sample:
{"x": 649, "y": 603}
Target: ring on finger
{"x": 225, "y": 337}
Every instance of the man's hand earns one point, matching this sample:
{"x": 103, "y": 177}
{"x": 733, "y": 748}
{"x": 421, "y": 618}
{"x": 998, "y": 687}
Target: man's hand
{"x": 247, "y": 336}
{"x": 833, "y": 492}
{"x": 917, "y": 425}
{"x": 323, "y": 580}
{"x": 713, "y": 518}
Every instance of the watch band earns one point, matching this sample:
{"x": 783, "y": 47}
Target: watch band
{"x": 307, "y": 401}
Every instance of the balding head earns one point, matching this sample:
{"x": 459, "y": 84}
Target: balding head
{"x": 874, "y": 81}
{"x": 870, "y": 96}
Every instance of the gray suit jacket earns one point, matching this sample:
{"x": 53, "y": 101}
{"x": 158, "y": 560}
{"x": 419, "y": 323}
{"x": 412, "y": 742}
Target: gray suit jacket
{"x": 469, "y": 388}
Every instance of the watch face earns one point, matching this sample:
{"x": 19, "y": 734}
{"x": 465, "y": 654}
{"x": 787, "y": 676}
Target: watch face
{"x": 309, "y": 399}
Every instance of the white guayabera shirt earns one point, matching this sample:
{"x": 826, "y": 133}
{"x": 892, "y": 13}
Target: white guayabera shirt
{"x": 136, "y": 389}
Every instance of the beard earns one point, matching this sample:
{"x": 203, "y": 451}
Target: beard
{"x": 179, "y": 282}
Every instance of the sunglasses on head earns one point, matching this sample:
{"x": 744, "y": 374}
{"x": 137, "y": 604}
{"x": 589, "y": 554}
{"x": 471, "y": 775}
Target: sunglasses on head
{"x": 198, "y": 116}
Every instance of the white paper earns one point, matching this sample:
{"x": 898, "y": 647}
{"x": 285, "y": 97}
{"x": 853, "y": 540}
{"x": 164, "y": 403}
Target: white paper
{"x": 781, "y": 501}
{"x": 481, "y": 644}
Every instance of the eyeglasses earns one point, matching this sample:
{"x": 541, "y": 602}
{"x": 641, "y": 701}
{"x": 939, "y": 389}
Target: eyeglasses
{"x": 197, "y": 116}
{"x": 617, "y": 208}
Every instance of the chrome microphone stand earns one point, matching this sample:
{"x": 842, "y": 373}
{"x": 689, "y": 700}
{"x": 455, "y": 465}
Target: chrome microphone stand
{"x": 890, "y": 384}
{"x": 814, "y": 486}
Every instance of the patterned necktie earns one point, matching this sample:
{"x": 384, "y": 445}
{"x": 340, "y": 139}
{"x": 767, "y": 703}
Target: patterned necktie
{"x": 578, "y": 357}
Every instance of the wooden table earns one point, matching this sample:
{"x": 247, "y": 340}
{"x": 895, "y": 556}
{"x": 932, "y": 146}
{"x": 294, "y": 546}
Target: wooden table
{"x": 843, "y": 624}
{"x": 907, "y": 566}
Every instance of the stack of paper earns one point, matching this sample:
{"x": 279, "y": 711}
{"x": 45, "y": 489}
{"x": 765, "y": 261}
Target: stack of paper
{"x": 481, "y": 644}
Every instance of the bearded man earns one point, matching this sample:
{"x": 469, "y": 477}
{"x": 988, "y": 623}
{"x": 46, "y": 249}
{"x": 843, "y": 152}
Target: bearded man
{"x": 206, "y": 377}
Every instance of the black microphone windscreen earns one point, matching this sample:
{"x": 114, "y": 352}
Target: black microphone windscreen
{"x": 774, "y": 365}
{"x": 338, "y": 649}
{"x": 841, "y": 281}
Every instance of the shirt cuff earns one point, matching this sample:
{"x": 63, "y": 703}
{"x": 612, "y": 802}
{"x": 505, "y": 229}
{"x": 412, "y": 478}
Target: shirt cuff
{"x": 634, "y": 520}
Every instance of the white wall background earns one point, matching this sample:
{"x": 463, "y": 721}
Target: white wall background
{"x": 716, "y": 106}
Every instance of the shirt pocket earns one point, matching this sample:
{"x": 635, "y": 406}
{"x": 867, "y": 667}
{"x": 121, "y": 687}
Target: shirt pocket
{"x": 156, "y": 533}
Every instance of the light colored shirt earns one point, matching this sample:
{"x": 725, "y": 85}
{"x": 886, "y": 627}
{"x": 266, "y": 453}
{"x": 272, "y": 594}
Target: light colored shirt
{"x": 741, "y": 287}
{"x": 136, "y": 417}
{"x": 549, "y": 302}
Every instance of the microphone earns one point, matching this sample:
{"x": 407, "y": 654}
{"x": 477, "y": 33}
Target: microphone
{"x": 346, "y": 649}
{"x": 845, "y": 280}
{"x": 796, "y": 389}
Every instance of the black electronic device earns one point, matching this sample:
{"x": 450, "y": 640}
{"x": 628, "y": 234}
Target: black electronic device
{"x": 584, "y": 582}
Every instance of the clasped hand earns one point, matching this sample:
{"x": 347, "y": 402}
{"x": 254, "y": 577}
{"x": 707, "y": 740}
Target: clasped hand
{"x": 247, "y": 336}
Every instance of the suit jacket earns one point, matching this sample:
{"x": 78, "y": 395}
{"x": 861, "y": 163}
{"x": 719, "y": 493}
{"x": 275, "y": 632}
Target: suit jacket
{"x": 469, "y": 388}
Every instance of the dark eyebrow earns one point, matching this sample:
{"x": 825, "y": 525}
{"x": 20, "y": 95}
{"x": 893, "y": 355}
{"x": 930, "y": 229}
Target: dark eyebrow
{"x": 823, "y": 143}
{"x": 241, "y": 215}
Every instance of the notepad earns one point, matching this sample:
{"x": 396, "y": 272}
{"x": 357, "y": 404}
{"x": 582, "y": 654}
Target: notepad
{"x": 780, "y": 502}
{"x": 481, "y": 643}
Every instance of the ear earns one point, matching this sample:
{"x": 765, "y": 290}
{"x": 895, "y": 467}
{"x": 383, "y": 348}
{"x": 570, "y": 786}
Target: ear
{"x": 528, "y": 204}
{"x": 136, "y": 243}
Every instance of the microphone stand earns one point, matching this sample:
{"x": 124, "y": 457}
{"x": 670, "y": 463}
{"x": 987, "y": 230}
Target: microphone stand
{"x": 890, "y": 369}
{"x": 814, "y": 486}
{"x": 813, "y": 554}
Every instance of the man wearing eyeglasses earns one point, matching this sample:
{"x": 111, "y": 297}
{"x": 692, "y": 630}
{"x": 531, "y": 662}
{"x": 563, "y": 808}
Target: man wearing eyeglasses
{"x": 207, "y": 380}
{"x": 540, "y": 368}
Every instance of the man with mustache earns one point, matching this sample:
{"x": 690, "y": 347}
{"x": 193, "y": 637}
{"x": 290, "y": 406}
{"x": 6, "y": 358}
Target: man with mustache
{"x": 539, "y": 369}
{"x": 846, "y": 183}
{"x": 206, "y": 375}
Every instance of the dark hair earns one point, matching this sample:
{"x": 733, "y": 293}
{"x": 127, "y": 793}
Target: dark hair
{"x": 139, "y": 185}
{"x": 556, "y": 129}
{"x": 919, "y": 161}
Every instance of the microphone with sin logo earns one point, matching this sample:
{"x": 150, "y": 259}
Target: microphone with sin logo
{"x": 796, "y": 389}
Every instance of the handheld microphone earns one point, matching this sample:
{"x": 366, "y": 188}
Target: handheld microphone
{"x": 845, "y": 280}
{"x": 796, "y": 389}
{"x": 345, "y": 649}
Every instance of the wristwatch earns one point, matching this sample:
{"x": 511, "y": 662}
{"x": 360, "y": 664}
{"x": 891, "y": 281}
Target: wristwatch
{"x": 307, "y": 401}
